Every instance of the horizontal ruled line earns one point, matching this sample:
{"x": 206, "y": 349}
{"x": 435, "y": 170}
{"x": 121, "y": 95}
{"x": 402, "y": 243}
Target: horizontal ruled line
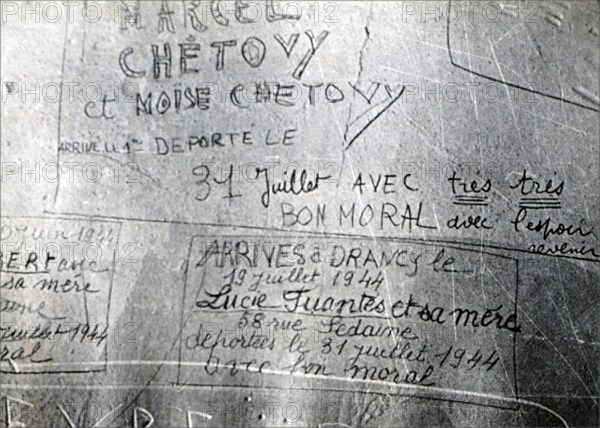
{"x": 474, "y": 204}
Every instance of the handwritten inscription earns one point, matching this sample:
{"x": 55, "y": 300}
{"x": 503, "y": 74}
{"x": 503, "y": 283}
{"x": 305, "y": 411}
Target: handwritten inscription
{"x": 56, "y": 281}
{"x": 343, "y": 309}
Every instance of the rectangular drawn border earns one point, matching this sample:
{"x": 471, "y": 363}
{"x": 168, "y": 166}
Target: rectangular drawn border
{"x": 103, "y": 367}
{"x": 513, "y": 400}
